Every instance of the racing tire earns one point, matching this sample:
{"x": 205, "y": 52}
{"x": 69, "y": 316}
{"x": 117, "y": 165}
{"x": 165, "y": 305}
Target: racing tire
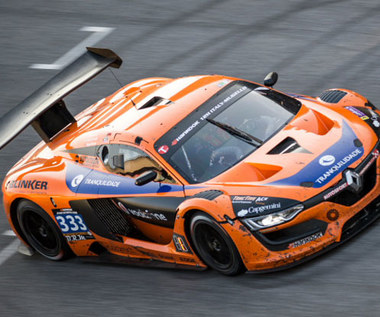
{"x": 41, "y": 232}
{"x": 214, "y": 246}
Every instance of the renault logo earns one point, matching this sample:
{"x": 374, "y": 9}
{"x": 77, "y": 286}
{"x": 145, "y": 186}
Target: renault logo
{"x": 354, "y": 181}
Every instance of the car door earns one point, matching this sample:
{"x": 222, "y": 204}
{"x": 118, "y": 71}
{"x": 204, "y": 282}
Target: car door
{"x": 122, "y": 208}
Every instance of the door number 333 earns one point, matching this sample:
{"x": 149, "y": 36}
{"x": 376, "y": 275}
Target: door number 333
{"x": 71, "y": 223}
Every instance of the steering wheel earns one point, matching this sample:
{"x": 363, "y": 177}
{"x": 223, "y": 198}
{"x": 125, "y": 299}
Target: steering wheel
{"x": 225, "y": 156}
{"x": 260, "y": 126}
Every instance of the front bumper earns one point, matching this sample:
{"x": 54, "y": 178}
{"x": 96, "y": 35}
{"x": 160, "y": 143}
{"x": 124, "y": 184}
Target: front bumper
{"x": 351, "y": 228}
{"x": 327, "y": 221}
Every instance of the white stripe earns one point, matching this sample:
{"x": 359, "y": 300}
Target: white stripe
{"x": 9, "y": 233}
{"x": 98, "y": 34}
{"x": 9, "y": 251}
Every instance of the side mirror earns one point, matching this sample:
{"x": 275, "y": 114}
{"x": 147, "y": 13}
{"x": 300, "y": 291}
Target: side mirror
{"x": 270, "y": 79}
{"x": 146, "y": 178}
{"x": 118, "y": 161}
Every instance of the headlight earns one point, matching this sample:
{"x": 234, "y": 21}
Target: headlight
{"x": 273, "y": 219}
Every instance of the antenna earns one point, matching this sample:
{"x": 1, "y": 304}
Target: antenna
{"x": 116, "y": 78}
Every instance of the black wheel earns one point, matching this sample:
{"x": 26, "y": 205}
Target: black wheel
{"x": 214, "y": 246}
{"x": 41, "y": 232}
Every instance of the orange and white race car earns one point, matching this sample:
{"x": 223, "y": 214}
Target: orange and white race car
{"x": 197, "y": 172}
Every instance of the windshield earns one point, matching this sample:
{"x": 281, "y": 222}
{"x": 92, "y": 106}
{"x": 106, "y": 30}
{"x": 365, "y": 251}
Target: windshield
{"x": 225, "y": 129}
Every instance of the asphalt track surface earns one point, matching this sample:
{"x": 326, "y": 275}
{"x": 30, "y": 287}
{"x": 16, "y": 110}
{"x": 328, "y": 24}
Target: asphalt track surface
{"x": 313, "y": 45}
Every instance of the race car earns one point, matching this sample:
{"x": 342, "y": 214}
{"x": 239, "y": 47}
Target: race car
{"x": 196, "y": 172}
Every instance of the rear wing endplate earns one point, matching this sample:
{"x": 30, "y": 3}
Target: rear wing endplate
{"x": 45, "y": 109}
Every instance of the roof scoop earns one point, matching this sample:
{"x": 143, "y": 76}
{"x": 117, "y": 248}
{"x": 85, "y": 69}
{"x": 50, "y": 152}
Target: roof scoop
{"x": 155, "y": 101}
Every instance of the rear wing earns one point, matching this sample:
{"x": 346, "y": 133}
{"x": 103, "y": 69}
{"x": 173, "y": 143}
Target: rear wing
{"x": 44, "y": 108}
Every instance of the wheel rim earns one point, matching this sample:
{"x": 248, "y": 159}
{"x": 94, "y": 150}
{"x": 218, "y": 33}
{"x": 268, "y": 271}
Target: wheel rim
{"x": 41, "y": 234}
{"x": 213, "y": 246}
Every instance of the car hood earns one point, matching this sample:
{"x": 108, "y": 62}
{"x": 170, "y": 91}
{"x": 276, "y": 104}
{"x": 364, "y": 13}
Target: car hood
{"x": 310, "y": 152}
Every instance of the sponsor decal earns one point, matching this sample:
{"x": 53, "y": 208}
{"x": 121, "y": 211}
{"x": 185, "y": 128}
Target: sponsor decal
{"x": 339, "y": 166}
{"x": 120, "y": 249}
{"x": 28, "y": 184}
{"x": 335, "y": 191}
{"x": 245, "y": 205}
{"x": 375, "y": 155}
{"x": 142, "y": 213}
{"x": 189, "y": 260}
{"x": 222, "y": 83}
{"x": 163, "y": 149}
{"x": 258, "y": 210}
{"x": 356, "y": 111}
{"x": 83, "y": 180}
{"x": 102, "y": 182}
{"x": 72, "y": 225}
{"x": 303, "y": 241}
{"x": 327, "y": 160}
{"x": 184, "y": 133}
{"x": 77, "y": 237}
{"x": 248, "y": 199}
{"x": 222, "y": 103}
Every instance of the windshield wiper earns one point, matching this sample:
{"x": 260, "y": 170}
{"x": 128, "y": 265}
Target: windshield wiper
{"x": 244, "y": 136}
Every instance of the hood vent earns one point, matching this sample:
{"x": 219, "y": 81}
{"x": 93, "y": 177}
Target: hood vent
{"x": 155, "y": 101}
{"x": 332, "y": 96}
{"x": 289, "y": 145}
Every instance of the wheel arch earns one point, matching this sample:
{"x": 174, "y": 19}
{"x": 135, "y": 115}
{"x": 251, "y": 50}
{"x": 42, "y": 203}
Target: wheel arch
{"x": 216, "y": 208}
{"x": 14, "y": 219}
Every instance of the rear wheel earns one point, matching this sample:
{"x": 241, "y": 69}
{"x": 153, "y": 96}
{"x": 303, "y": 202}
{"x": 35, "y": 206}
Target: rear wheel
{"x": 214, "y": 246}
{"x": 41, "y": 232}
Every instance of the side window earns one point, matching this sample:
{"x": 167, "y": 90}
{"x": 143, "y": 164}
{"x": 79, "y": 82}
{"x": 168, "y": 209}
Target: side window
{"x": 130, "y": 161}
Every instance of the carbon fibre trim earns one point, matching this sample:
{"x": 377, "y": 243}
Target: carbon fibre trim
{"x": 281, "y": 239}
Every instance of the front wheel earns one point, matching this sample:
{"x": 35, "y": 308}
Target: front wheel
{"x": 214, "y": 246}
{"x": 41, "y": 232}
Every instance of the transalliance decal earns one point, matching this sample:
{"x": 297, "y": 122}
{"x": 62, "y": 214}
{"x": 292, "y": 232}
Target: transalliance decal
{"x": 329, "y": 164}
{"x": 83, "y": 180}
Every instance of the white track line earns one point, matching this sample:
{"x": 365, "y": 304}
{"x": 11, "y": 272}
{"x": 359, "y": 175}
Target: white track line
{"x": 98, "y": 33}
{"x": 9, "y": 233}
{"x": 9, "y": 251}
